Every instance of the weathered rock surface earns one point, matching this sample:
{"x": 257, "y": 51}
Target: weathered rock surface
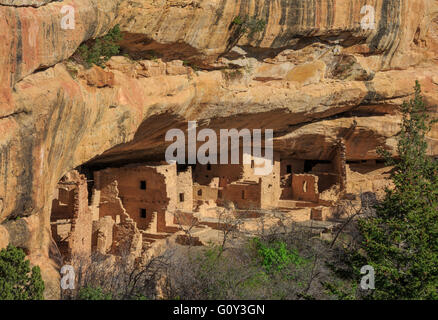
{"x": 4, "y": 237}
{"x": 313, "y": 75}
{"x": 25, "y": 3}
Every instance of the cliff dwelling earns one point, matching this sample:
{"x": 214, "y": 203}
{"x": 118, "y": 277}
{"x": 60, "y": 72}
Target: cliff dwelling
{"x": 127, "y": 208}
{"x": 85, "y": 111}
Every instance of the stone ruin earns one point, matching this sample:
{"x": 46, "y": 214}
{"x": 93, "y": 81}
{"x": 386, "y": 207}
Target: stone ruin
{"x": 132, "y": 208}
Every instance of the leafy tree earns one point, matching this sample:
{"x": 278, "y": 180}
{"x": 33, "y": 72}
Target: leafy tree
{"x": 249, "y": 25}
{"x": 243, "y": 26}
{"x": 17, "y": 280}
{"x": 401, "y": 241}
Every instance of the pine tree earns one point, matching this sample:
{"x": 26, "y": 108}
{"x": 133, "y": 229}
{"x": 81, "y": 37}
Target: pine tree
{"x": 17, "y": 280}
{"x": 401, "y": 241}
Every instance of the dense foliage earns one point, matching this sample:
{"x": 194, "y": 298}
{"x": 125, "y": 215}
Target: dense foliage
{"x": 17, "y": 280}
{"x": 102, "y": 49}
{"x": 276, "y": 256}
{"x": 401, "y": 240}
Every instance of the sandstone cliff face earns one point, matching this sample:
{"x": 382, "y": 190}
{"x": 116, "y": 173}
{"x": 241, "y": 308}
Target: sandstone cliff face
{"x": 312, "y": 75}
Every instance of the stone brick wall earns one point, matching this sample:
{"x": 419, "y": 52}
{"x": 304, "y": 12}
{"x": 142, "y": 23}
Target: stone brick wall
{"x": 295, "y": 166}
{"x": 71, "y": 219}
{"x": 127, "y": 239}
{"x": 305, "y": 187}
{"x": 340, "y": 166}
{"x": 270, "y": 190}
{"x": 159, "y": 195}
{"x": 102, "y": 238}
{"x": 243, "y": 195}
{"x": 203, "y": 193}
{"x": 226, "y": 172}
{"x": 81, "y": 230}
{"x": 184, "y": 190}
{"x": 110, "y": 203}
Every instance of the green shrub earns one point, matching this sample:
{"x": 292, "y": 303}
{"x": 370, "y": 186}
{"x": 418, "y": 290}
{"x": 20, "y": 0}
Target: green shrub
{"x": 17, "y": 280}
{"x": 102, "y": 49}
{"x": 243, "y": 26}
{"x": 238, "y": 21}
{"x": 249, "y": 25}
{"x": 90, "y": 293}
{"x": 276, "y": 256}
